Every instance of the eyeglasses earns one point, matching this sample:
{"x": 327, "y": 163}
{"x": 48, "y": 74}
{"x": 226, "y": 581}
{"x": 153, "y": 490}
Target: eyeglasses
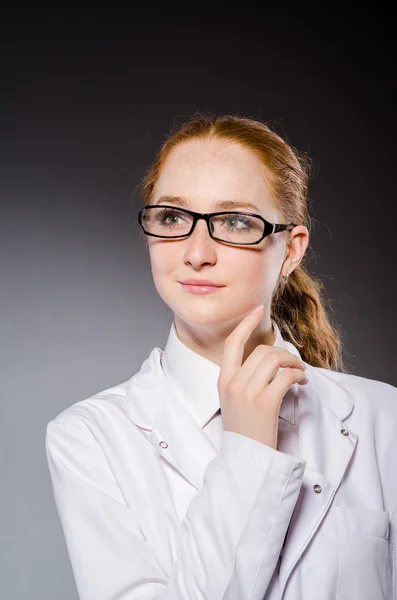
{"x": 233, "y": 227}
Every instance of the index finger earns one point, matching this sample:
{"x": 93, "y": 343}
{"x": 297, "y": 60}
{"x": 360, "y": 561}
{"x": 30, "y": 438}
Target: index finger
{"x": 234, "y": 344}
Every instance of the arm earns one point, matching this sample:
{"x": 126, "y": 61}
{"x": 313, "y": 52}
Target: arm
{"x": 232, "y": 532}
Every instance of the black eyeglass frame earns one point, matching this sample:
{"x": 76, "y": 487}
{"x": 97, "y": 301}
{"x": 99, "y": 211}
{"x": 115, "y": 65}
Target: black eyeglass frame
{"x": 269, "y": 228}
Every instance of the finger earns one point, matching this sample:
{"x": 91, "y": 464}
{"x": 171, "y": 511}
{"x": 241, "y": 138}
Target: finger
{"x": 233, "y": 350}
{"x": 283, "y": 381}
{"x": 261, "y": 366}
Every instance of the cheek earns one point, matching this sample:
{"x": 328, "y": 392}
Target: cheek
{"x": 161, "y": 259}
{"x": 256, "y": 276}
{"x": 160, "y": 265}
{"x": 253, "y": 270}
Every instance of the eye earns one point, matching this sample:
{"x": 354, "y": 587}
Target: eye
{"x": 167, "y": 213}
{"x": 233, "y": 221}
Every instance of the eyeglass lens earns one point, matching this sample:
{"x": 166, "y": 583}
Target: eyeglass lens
{"x": 233, "y": 227}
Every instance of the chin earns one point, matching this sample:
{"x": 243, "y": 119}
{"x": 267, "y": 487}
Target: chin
{"x": 207, "y": 314}
{"x": 200, "y": 316}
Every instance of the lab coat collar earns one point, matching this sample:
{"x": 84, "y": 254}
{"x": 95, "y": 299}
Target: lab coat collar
{"x": 195, "y": 377}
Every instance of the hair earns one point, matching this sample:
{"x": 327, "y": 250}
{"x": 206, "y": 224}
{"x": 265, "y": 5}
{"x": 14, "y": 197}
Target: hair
{"x": 298, "y": 306}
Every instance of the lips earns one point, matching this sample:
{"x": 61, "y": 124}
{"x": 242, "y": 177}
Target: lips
{"x": 199, "y": 282}
{"x": 201, "y": 289}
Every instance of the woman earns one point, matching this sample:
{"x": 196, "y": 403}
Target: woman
{"x": 241, "y": 462}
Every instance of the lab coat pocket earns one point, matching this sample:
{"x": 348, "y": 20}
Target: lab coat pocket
{"x": 365, "y": 561}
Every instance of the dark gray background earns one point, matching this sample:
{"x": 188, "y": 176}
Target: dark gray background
{"x": 85, "y": 101}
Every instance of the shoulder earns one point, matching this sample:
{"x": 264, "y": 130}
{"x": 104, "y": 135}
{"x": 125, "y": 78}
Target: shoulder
{"x": 95, "y": 437}
{"x": 74, "y": 444}
{"x": 80, "y": 436}
{"x": 111, "y": 399}
{"x": 116, "y": 408}
{"x": 90, "y": 407}
{"x": 363, "y": 386}
{"x": 376, "y": 399}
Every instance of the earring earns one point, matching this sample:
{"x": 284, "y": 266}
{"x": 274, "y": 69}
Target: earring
{"x": 286, "y": 279}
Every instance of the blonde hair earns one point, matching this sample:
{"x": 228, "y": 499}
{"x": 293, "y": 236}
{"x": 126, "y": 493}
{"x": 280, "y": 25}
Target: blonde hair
{"x": 298, "y": 307}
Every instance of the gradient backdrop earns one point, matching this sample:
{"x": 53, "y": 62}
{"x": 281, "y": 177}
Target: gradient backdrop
{"x": 85, "y": 101}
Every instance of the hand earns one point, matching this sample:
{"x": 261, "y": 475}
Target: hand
{"x": 249, "y": 396}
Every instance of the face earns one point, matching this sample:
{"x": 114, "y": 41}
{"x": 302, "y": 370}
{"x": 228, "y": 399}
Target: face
{"x": 205, "y": 172}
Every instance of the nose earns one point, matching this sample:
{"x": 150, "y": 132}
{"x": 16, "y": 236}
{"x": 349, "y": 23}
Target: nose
{"x": 199, "y": 246}
{"x": 200, "y": 230}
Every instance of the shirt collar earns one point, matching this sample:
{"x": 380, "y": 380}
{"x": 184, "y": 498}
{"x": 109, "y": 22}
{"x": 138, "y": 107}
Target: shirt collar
{"x": 195, "y": 378}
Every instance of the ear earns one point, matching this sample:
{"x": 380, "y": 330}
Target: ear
{"x": 295, "y": 250}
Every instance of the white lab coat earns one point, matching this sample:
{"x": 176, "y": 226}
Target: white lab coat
{"x": 334, "y": 505}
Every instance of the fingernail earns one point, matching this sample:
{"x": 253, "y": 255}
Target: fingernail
{"x": 257, "y": 310}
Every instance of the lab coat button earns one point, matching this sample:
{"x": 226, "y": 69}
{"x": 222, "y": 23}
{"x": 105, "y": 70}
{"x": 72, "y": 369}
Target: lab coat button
{"x": 344, "y": 431}
{"x": 163, "y": 444}
{"x": 317, "y": 488}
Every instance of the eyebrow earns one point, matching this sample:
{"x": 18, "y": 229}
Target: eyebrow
{"x": 221, "y": 204}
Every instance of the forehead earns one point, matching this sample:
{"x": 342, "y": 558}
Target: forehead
{"x": 213, "y": 169}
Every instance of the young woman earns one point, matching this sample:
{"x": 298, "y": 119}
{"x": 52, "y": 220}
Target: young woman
{"x": 241, "y": 462}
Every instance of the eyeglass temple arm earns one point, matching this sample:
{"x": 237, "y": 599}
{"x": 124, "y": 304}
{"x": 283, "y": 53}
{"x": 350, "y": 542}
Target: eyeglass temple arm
{"x": 281, "y": 227}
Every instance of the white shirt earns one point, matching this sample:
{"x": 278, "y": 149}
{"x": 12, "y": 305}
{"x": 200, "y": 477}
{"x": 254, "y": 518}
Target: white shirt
{"x": 152, "y": 505}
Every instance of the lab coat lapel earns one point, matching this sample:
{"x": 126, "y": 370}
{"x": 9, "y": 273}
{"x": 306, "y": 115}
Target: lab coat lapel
{"x": 323, "y": 406}
{"x": 186, "y": 445}
{"x": 173, "y": 431}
